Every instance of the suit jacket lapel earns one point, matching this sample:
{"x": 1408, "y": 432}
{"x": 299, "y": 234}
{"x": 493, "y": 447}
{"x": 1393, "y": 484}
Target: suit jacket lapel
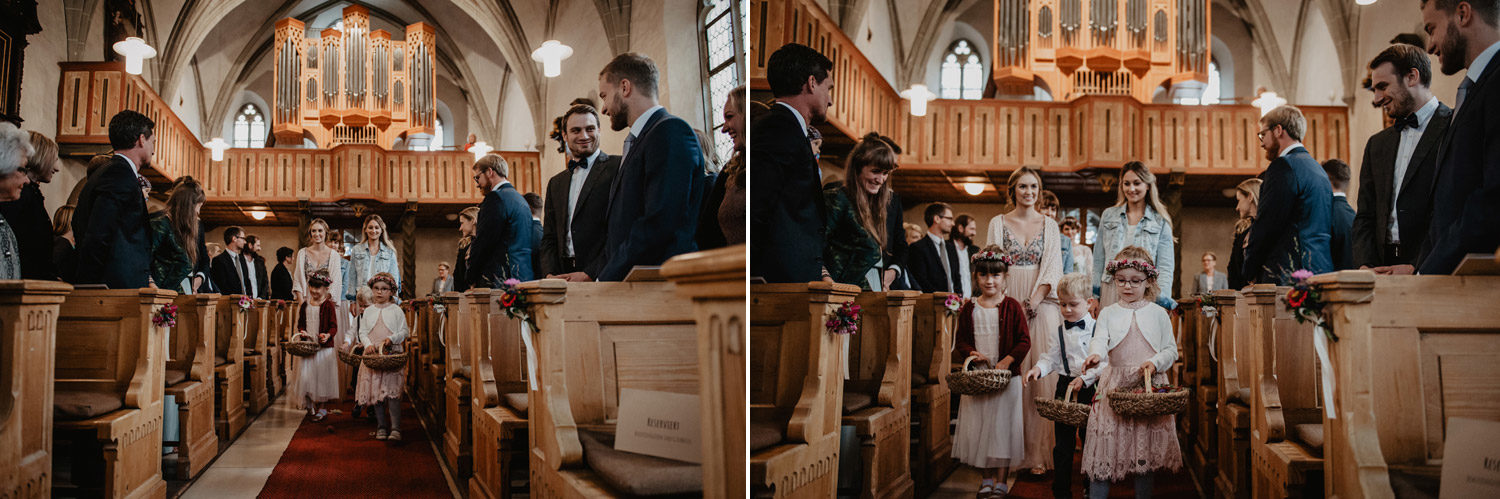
{"x": 590, "y": 183}
{"x": 1436, "y": 128}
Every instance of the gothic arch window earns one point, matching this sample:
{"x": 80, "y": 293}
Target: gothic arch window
{"x": 250, "y": 127}
{"x": 962, "y": 72}
{"x": 721, "y": 42}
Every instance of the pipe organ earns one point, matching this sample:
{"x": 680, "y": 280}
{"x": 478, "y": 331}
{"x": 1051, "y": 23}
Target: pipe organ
{"x": 353, "y": 85}
{"x": 1100, "y": 47}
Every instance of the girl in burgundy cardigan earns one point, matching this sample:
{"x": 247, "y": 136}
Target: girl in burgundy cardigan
{"x": 993, "y": 326}
{"x": 318, "y": 374}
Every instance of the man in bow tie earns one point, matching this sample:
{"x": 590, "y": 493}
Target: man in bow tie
{"x": 1395, "y": 179}
{"x": 573, "y": 225}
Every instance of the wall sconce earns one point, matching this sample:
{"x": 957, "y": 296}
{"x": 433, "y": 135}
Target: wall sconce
{"x": 480, "y": 149}
{"x": 135, "y": 50}
{"x": 551, "y": 55}
{"x": 217, "y": 146}
{"x": 918, "y": 95}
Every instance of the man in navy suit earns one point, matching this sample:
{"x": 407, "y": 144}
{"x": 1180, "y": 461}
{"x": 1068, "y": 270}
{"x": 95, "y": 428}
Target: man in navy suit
{"x": 1292, "y": 228}
{"x": 1339, "y": 240}
{"x": 1466, "y": 192}
{"x": 110, "y": 222}
{"x": 786, "y": 206}
{"x": 501, "y": 248}
{"x": 653, "y": 204}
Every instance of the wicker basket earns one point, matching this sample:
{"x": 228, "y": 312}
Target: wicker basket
{"x": 302, "y": 346}
{"x": 1145, "y": 405}
{"x": 1064, "y": 411}
{"x": 348, "y": 357}
{"x": 385, "y": 362}
{"x": 977, "y": 381}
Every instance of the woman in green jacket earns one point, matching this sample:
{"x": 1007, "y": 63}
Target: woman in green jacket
{"x": 174, "y": 236}
{"x": 866, "y": 245}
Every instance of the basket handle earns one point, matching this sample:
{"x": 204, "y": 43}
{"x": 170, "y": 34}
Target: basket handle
{"x": 965, "y": 368}
{"x": 1068, "y": 395}
{"x": 1146, "y": 381}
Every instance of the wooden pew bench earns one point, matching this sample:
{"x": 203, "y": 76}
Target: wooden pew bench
{"x": 190, "y": 381}
{"x": 796, "y": 389}
{"x": 1200, "y": 424}
{"x": 229, "y": 350}
{"x": 1413, "y": 351}
{"x": 1286, "y": 426}
{"x": 257, "y": 363}
{"x": 283, "y": 321}
{"x": 434, "y": 381}
{"x": 595, "y": 340}
{"x": 28, "y": 332}
{"x": 500, "y": 402}
{"x": 110, "y": 376}
{"x": 932, "y": 348}
{"x": 458, "y": 436}
{"x": 877, "y": 396}
{"x": 1233, "y": 435}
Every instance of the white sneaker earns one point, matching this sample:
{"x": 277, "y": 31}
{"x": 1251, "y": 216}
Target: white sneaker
{"x": 394, "y": 435}
{"x": 381, "y": 435}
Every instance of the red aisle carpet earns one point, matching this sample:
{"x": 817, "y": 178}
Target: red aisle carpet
{"x": 348, "y": 462}
{"x": 1168, "y": 485}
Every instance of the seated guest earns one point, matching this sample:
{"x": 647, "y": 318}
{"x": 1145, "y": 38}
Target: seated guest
{"x": 1210, "y": 278}
{"x": 258, "y": 275}
{"x": 653, "y": 210}
{"x": 15, "y": 149}
{"x": 573, "y": 227}
{"x": 1292, "y": 228}
{"x": 27, "y": 216}
{"x": 860, "y": 240}
{"x": 933, "y": 262}
{"x": 534, "y": 202}
{"x": 174, "y": 234}
{"x": 444, "y": 282}
{"x": 1343, "y": 215}
{"x": 64, "y": 255}
{"x": 501, "y": 248}
{"x": 1247, "y": 202}
{"x": 232, "y": 269}
{"x": 786, "y": 210}
{"x": 281, "y": 277}
{"x": 110, "y": 223}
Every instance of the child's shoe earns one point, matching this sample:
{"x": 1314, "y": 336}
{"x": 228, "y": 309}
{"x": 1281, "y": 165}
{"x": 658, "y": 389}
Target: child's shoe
{"x": 394, "y": 435}
{"x": 381, "y": 434}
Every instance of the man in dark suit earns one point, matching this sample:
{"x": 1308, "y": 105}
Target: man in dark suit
{"x": 933, "y": 262}
{"x": 259, "y": 277}
{"x": 1466, "y": 190}
{"x": 534, "y": 203}
{"x": 654, "y": 202}
{"x": 1292, "y": 226}
{"x": 1339, "y": 240}
{"x": 786, "y": 204}
{"x": 1395, "y": 181}
{"x": 232, "y": 269}
{"x": 501, "y": 248}
{"x": 114, "y": 248}
{"x": 574, "y": 220}
{"x": 281, "y": 277}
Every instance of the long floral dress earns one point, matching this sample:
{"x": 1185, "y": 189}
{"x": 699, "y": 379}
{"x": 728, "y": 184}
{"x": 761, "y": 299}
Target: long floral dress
{"x": 1034, "y": 263}
{"x": 1118, "y": 447}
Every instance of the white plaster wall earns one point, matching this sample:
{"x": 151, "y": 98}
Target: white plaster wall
{"x": 874, "y": 39}
{"x": 1320, "y": 82}
{"x": 39, "y": 83}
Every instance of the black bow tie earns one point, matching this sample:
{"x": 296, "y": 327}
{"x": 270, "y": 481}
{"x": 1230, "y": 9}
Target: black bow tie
{"x": 578, "y": 163}
{"x": 1409, "y": 120}
{"x": 1070, "y": 324}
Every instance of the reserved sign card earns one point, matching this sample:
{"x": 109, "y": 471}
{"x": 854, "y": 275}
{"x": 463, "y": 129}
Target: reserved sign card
{"x": 1471, "y": 459}
{"x": 660, "y": 424}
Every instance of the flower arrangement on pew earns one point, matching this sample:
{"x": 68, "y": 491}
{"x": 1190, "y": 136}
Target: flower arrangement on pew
{"x": 952, "y": 303}
{"x": 1306, "y": 303}
{"x": 514, "y": 303}
{"x": 166, "y": 316}
{"x": 245, "y": 302}
{"x": 845, "y": 320}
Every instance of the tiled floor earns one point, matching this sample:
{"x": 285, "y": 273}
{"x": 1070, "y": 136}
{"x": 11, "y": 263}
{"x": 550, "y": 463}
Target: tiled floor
{"x": 242, "y": 470}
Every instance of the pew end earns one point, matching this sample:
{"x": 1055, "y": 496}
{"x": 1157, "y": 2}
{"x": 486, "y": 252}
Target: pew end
{"x": 192, "y": 354}
{"x": 29, "y": 313}
{"x": 932, "y": 348}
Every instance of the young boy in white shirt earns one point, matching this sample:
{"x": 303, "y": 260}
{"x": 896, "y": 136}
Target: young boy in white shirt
{"x": 1065, "y": 357}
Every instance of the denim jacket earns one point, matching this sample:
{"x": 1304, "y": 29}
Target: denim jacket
{"x": 356, "y": 275}
{"x": 1153, "y": 234}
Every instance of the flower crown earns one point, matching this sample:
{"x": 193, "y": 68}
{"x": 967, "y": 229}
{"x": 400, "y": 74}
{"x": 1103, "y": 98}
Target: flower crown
{"x": 382, "y": 277}
{"x": 990, "y": 256}
{"x": 1141, "y": 265}
{"x": 319, "y": 278}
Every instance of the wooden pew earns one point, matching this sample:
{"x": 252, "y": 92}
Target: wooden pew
{"x": 434, "y": 381}
{"x": 417, "y": 324}
{"x": 932, "y": 347}
{"x": 28, "y": 332}
{"x": 1286, "y": 426}
{"x": 1233, "y": 441}
{"x": 595, "y": 340}
{"x": 499, "y": 404}
{"x": 1200, "y": 323}
{"x": 190, "y": 381}
{"x": 715, "y": 281}
{"x": 1412, "y": 352}
{"x": 110, "y": 370}
{"x": 458, "y": 436}
{"x": 229, "y": 352}
{"x": 796, "y": 389}
{"x": 880, "y": 374}
{"x": 282, "y": 323}
{"x": 256, "y": 361}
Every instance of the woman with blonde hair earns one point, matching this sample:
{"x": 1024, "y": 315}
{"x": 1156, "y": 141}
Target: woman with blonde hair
{"x": 1247, "y": 201}
{"x": 373, "y": 255}
{"x": 1033, "y": 243}
{"x": 28, "y": 215}
{"x": 64, "y": 251}
{"x": 317, "y": 255}
{"x": 1138, "y": 218}
{"x": 466, "y": 220}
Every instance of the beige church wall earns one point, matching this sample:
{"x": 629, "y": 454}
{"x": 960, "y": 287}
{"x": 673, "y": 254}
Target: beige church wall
{"x": 874, "y": 39}
{"x": 1232, "y": 32}
{"x": 1318, "y": 79}
{"x": 39, "y": 90}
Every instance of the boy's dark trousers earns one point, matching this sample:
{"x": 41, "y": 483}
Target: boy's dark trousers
{"x": 1062, "y": 453}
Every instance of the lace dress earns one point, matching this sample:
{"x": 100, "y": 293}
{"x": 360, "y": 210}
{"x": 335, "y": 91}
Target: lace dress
{"x": 375, "y": 386}
{"x": 989, "y": 433}
{"x": 1117, "y": 446}
{"x": 1034, "y": 263}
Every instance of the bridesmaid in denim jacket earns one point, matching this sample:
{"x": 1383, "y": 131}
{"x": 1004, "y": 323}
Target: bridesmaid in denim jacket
{"x": 372, "y": 256}
{"x": 1138, "y": 218}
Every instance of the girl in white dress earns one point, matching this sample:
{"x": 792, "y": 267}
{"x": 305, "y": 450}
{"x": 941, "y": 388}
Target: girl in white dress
{"x": 317, "y": 376}
{"x": 993, "y": 328}
{"x": 382, "y": 327}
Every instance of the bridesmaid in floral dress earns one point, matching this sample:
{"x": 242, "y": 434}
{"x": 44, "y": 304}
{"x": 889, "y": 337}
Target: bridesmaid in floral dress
{"x": 1032, "y": 242}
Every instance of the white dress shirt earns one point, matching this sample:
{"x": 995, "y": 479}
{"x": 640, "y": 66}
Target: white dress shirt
{"x": 133, "y": 167}
{"x": 801, "y": 122}
{"x": 965, "y": 283}
{"x": 1408, "y": 146}
{"x": 1077, "y": 340}
{"x": 575, "y": 187}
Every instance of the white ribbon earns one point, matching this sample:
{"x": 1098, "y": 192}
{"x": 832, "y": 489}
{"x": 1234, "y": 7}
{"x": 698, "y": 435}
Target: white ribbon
{"x": 530, "y": 354}
{"x": 1213, "y": 332}
{"x": 1320, "y": 344}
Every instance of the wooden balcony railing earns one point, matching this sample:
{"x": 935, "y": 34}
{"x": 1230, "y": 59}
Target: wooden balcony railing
{"x": 1100, "y": 131}
{"x": 92, "y": 92}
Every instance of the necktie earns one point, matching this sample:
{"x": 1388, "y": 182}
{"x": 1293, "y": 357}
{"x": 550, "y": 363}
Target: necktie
{"x": 947, "y": 267}
{"x": 244, "y": 274}
{"x": 1408, "y": 121}
{"x": 629, "y": 138}
{"x": 1067, "y": 324}
{"x": 1463, "y": 91}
